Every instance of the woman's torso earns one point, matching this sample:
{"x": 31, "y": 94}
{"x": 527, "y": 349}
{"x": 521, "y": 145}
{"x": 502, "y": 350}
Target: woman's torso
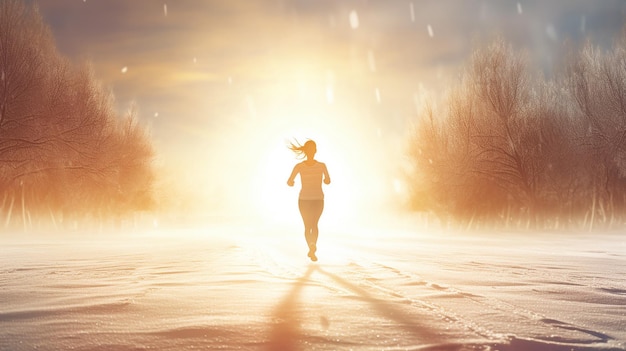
{"x": 311, "y": 174}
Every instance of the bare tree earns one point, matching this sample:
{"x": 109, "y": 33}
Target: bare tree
{"x": 512, "y": 147}
{"x": 505, "y": 129}
{"x": 64, "y": 151}
{"x": 598, "y": 86}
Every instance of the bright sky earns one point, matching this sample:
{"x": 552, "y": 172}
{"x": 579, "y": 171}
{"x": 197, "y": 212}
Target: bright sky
{"x": 223, "y": 84}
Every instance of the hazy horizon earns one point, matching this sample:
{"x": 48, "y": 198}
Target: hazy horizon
{"x": 223, "y": 85}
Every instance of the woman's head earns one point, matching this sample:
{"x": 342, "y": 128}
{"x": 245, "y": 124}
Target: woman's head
{"x": 307, "y": 150}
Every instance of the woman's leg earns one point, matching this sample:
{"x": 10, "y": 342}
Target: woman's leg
{"x": 305, "y": 211}
{"x": 317, "y": 207}
{"x": 311, "y": 210}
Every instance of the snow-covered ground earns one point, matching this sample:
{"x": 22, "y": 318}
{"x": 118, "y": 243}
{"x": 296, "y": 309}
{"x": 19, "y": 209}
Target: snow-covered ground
{"x": 238, "y": 288}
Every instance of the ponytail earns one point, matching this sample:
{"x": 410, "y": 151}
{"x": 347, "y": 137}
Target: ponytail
{"x": 307, "y": 150}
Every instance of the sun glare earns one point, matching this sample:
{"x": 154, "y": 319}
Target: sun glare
{"x": 356, "y": 182}
{"x": 300, "y": 104}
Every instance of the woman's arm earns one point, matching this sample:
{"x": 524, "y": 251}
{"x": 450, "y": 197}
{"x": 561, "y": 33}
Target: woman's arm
{"x": 326, "y": 176}
{"x": 292, "y": 177}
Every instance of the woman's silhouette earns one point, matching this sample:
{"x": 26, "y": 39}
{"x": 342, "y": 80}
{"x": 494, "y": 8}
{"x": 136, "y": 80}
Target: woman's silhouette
{"x": 311, "y": 199}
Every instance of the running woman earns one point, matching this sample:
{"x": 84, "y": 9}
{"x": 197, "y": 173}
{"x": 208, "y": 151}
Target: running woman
{"x": 311, "y": 199}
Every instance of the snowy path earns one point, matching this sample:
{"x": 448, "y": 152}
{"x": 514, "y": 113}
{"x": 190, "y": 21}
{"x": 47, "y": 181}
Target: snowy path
{"x": 235, "y": 289}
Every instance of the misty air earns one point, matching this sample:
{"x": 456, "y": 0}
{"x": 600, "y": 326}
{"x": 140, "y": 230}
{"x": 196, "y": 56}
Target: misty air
{"x": 293, "y": 175}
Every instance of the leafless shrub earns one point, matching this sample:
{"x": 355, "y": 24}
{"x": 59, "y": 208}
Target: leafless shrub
{"x": 598, "y": 86}
{"x": 515, "y": 150}
{"x": 64, "y": 151}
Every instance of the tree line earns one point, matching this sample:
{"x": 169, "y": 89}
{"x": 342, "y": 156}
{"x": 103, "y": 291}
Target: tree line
{"x": 507, "y": 147}
{"x": 65, "y": 153}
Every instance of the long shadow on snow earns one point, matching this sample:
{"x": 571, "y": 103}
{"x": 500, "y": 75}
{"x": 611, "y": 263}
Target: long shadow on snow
{"x": 285, "y": 333}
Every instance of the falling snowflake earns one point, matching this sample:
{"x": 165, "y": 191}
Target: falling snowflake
{"x": 165, "y": 9}
{"x": 371, "y": 61}
{"x": 195, "y": 60}
{"x": 354, "y": 19}
{"x": 412, "y": 11}
{"x": 583, "y": 24}
{"x": 330, "y": 96}
{"x": 398, "y": 186}
{"x": 156, "y": 114}
{"x": 332, "y": 22}
{"x": 124, "y": 69}
{"x": 377, "y": 92}
{"x": 551, "y": 32}
{"x": 519, "y": 8}
{"x": 230, "y": 80}
{"x": 251, "y": 106}
{"x": 430, "y": 31}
